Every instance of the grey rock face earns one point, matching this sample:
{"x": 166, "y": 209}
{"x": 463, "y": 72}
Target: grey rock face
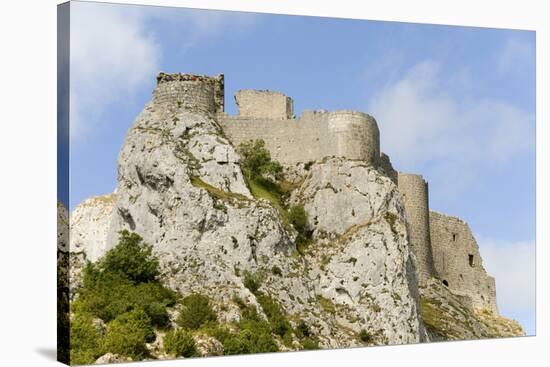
{"x": 361, "y": 260}
{"x": 181, "y": 188}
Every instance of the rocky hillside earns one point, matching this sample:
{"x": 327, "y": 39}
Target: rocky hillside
{"x": 319, "y": 253}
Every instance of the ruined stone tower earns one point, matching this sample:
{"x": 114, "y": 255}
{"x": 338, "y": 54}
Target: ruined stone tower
{"x": 415, "y": 195}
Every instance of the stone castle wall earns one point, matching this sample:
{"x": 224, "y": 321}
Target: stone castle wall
{"x": 313, "y": 136}
{"x": 264, "y": 104}
{"x": 458, "y": 262}
{"x": 415, "y": 195}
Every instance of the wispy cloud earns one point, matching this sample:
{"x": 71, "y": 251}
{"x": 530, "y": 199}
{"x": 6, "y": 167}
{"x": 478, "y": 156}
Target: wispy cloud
{"x": 513, "y": 266}
{"x": 112, "y": 54}
{"x": 116, "y": 49}
{"x": 456, "y": 137}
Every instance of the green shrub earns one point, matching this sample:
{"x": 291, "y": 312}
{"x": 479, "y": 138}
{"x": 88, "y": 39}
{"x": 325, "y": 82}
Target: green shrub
{"x": 364, "y": 336}
{"x": 118, "y": 284}
{"x": 111, "y": 295}
{"x": 277, "y": 320}
{"x": 310, "y": 343}
{"x": 298, "y": 218}
{"x": 128, "y": 333}
{"x": 252, "y": 281}
{"x": 257, "y": 161}
{"x": 254, "y": 336}
{"x": 86, "y": 339}
{"x": 180, "y": 343}
{"x": 196, "y": 311}
{"x": 302, "y": 330}
{"x": 131, "y": 258}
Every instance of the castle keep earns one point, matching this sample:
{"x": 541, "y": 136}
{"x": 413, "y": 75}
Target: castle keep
{"x": 444, "y": 246}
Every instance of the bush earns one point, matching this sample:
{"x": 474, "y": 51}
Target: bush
{"x": 195, "y": 312}
{"x": 254, "y": 336}
{"x": 252, "y": 281}
{"x": 118, "y": 284}
{"x": 132, "y": 259}
{"x": 128, "y": 333}
{"x": 257, "y": 161}
{"x": 298, "y": 218}
{"x": 86, "y": 339}
{"x": 180, "y": 343}
{"x": 364, "y": 336}
{"x": 310, "y": 343}
{"x": 277, "y": 320}
{"x": 111, "y": 295}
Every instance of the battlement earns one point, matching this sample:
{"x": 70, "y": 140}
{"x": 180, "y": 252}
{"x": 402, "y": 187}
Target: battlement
{"x": 196, "y": 93}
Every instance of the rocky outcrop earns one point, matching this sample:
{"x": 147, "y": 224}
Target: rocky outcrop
{"x": 90, "y": 223}
{"x": 447, "y": 316}
{"x": 181, "y": 188}
{"x": 360, "y": 260}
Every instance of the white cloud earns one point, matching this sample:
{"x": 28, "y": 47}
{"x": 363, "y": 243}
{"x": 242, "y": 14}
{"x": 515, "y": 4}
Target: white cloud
{"x": 421, "y": 121}
{"x": 513, "y": 266}
{"x": 112, "y": 54}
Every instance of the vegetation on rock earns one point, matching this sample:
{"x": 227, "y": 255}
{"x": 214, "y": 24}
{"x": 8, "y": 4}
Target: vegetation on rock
{"x": 122, "y": 289}
{"x": 195, "y": 312}
{"x": 180, "y": 343}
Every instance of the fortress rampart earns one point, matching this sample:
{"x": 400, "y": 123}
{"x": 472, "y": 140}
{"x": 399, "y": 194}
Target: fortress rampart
{"x": 415, "y": 195}
{"x": 444, "y": 246}
{"x": 458, "y": 262}
{"x": 313, "y": 136}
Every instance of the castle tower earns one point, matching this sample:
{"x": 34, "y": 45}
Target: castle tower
{"x": 458, "y": 261}
{"x": 415, "y": 193}
{"x": 196, "y": 93}
{"x": 356, "y": 135}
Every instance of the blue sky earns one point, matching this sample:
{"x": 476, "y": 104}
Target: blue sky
{"x": 455, "y": 104}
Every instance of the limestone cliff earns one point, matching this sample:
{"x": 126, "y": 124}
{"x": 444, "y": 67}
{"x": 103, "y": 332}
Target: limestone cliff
{"x": 181, "y": 187}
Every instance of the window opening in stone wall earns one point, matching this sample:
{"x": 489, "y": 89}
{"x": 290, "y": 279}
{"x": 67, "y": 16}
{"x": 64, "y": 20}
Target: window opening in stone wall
{"x": 454, "y": 237}
{"x": 445, "y": 283}
{"x": 471, "y": 260}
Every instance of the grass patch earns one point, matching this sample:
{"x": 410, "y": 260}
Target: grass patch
{"x": 326, "y": 304}
{"x": 215, "y": 192}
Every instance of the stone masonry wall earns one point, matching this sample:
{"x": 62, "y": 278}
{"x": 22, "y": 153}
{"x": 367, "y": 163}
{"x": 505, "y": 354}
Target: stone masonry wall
{"x": 264, "y": 104}
{"x": 191, "y": 92}
{"x": 313, "y": 136}
{"x": 458, "y": 262}
{"x": 415, "y": 194}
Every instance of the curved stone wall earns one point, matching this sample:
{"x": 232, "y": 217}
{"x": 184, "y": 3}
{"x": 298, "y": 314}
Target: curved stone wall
{"x": 195, "y": 93}
{"x": 415, "y": 194}
{"x": 313, "y": 136}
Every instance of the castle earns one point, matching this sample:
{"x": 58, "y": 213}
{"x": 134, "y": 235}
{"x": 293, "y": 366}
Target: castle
{"x": 444, "y": 246}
